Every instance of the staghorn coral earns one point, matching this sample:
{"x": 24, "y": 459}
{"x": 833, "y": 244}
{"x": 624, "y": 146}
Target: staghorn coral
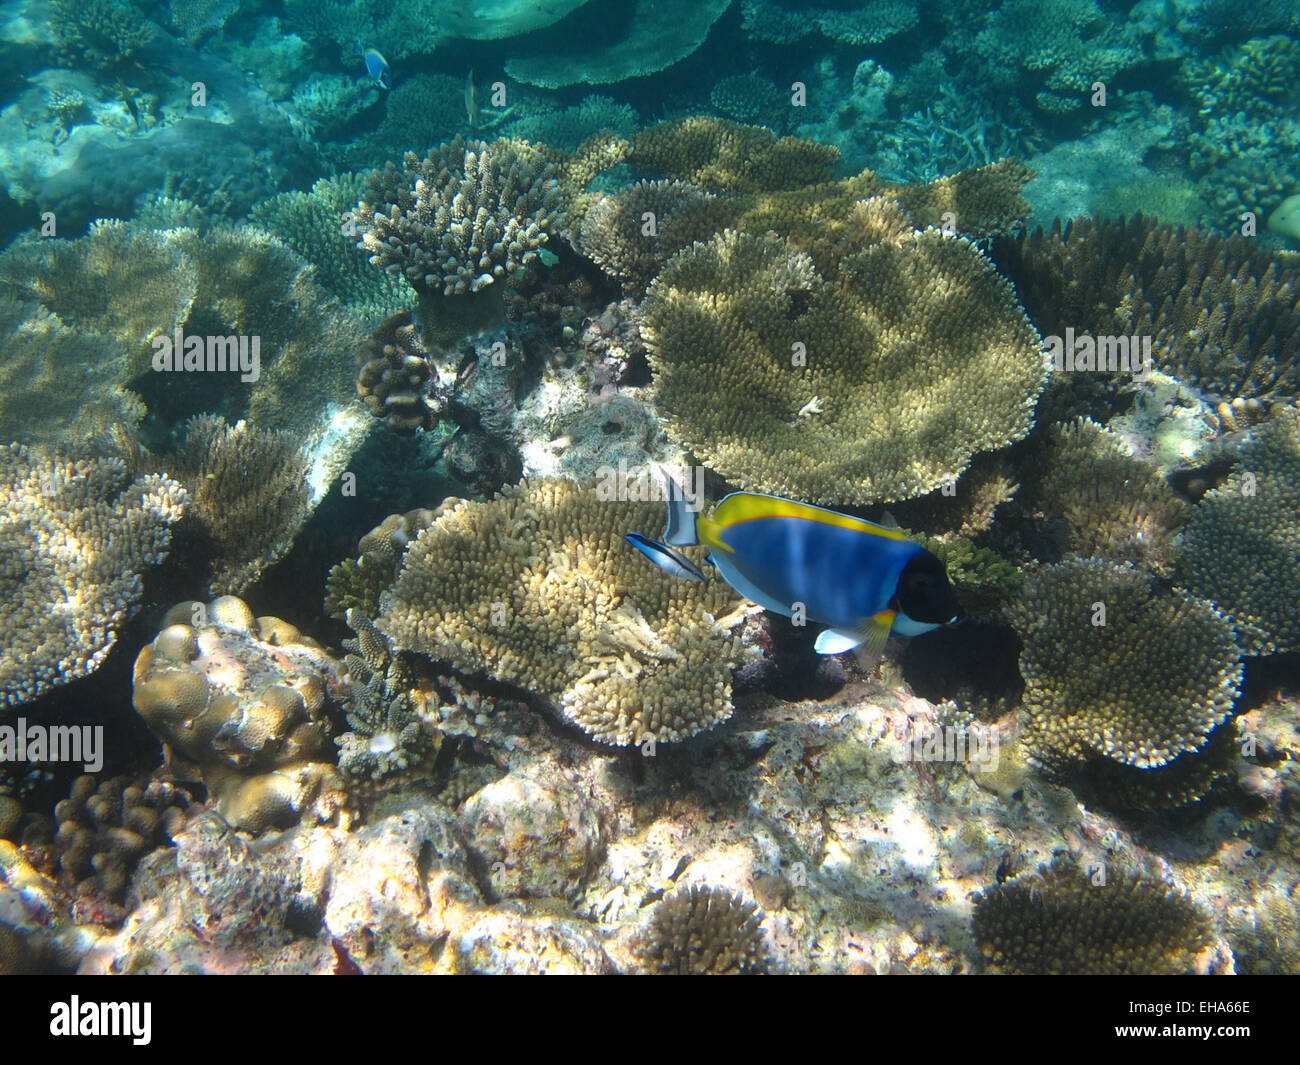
{"x": 75, "y": 535}
{"x": 917, "y": 357}
{"x": 727, "y": 158}
{"x": 655, "y": 35}
{"x": 1223, "y": 314}
{"x": 106, "y": 826}
{"x": 250, "y": 494}
{"x": 614, "y": 232}
{"x": 1118, "y": 672}
{"x": 241, "y": 704}
{"x": 704, "y": 931}
{"x": 1060, "y": 922}
{"x": 1114, "y": 506}
{"x": 317, "y": 225}
{"x": 462, "y": 217}
{"x": 537, "y": 588}
{"x": 1242, "y": 544}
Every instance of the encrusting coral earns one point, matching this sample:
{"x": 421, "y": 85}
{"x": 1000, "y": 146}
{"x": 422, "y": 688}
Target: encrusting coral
{"x": 876, "y": 382}
{"x": 241, "y": 702}
{"x": 1242, "y": 544}
{"x": 1065, "y": 921}
{"x": 538, "y": 588}
{"x": 462, "y": 217}
{"x": 704, "y": 931}
{"x": 75, "y": 535}
{"x": 1117, "y": 672}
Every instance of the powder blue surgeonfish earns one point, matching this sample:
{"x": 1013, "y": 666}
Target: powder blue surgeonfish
{"x": 377, "y": 67}
{"x": 861, "y": 579}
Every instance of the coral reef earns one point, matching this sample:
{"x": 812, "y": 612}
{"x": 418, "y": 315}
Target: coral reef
{"x": 617, "y": 235}
{"x": 1062, "y": 921}
{"x": 316, "y": 225}
{"x": 917, "y": 356}
{"x": 704, "y": 931}
{"x": 570, "y": 127}
{"x": 1114, "y": 506}
{"x": 537, "y": 588}
{"x": 860, "y": 24}
{"x": 75, "y": 535}
{"x": 752, "y": 100}
{"x": 1223, "y": 314}
{"x": 655, "y": 35}
{"x": 462, "y": 217}
{"x": 100, "y": 33}
{"x": 241, "y": 701}
{"x": 1242, "y": 545}
{"x": 1117, "y": 673}
{"x": 358, "y": 584}
{"x": 104, "y": 828}
{"x": 397, "y": 378}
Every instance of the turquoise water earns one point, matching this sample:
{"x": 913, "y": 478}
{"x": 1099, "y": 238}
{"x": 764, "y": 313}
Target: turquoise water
{"x": 343, "y": 344}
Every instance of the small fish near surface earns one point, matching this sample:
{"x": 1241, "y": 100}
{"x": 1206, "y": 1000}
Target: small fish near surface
{"x": 862, "y": 580}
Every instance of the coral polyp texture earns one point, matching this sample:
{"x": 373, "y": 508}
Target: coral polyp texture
{"x": 75, "y": 536}
{"x": 461, "y": 218}
{"x": 875, "y": 383}
{"x": 1222, "y": 314}
{"x": 1242, "y": 545}
{"x": 698, "y": 931}
{"x": 1064, "y": 921}
{"x": 241, "y": 704}
{"x": 1117, "y": 671}
{"x": 538, "y": 588}
{"x": 395, "y": 375}
{"x": 633, "y": 233}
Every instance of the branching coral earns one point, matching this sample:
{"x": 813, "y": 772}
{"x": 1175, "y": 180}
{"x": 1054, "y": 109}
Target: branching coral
{"x": 358, "y": 584}
{"x": 704, "y": 931}
{"x": 75, "y": 535}
{"x": 100, "y": 33}
{"x": 462, "y": 217}
{"x": 242, "y": 702}
{"x": 1242, "y": 547}
{"x": 1064, "y": 921}
{"x": 858, "y": 24}
{"x": 634, "y": 232}
{"x": 538, "y": 588}
{"x": 1223, "y": 314}
{"x": 396, "y": 378}
{"x": 1114, "y": 506}
{"x": 317, "y": 225}
{"x": 917, "y": 356}
{"x": 1116, "y": 671}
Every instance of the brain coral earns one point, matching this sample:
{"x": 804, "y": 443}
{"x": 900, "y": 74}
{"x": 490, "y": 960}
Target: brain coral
{"x": 1223, "y": 313}
{"x": 462, "y": 217}
{"x": 704, "y": 931}
{"x": 1242, "y": 546}
{"x": 1062, "y": 922}
{"x": 917, "y": 356}
{"x": 75, "y": 535}
{"x": 538, "y": 588}
{"x": 242, "y": 702}
{"x": 1113, "y": 669}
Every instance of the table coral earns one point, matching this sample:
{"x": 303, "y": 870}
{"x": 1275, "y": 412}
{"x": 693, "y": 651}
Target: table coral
{"x": 1117, "y": 671}
{"x": 1242, "y": 547}
{"x": 539, "y": 589}
{"x": 75, "y": 535}
{"x": 917, "y": 356}
{"x": 1063, "y": 922}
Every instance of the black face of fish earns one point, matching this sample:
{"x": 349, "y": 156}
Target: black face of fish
{"x": 924, "y": 593}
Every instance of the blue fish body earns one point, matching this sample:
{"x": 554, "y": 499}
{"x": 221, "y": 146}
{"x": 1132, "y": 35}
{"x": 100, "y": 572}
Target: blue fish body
{"x": 376, "y": 66}
{"x": 862, "y": 580}
{"x": 841, "y": 573}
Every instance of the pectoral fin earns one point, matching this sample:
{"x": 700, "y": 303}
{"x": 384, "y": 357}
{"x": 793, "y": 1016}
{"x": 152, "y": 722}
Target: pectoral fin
{"x": 874, "y": 636}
